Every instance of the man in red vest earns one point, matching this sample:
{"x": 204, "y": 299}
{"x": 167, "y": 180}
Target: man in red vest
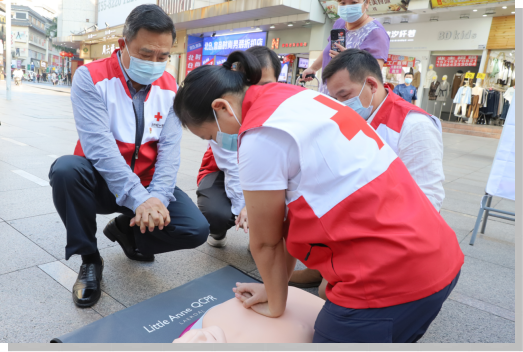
{"x": 354, "y": 78}
{"x": 127, "y": 157}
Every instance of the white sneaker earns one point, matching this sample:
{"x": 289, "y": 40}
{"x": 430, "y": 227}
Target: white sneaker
{"x": 216, "y": 243}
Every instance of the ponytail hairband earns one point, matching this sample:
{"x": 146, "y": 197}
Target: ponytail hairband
{"x": 227, "y": 65}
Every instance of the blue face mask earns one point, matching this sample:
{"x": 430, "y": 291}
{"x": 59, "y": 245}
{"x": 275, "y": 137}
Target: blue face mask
{"x": 224, "y": 140}
{"x": 408, "y": 80}
{"x": 144, "y": 72}
{"x": 351, "y": 13}
{"x": 355, "y": 104}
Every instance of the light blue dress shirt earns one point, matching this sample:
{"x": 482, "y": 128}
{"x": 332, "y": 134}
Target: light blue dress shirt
{"x": 100, "y": 148}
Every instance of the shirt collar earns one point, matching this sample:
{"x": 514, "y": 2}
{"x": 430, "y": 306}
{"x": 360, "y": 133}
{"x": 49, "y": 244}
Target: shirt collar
{"x": 369, "y": 120}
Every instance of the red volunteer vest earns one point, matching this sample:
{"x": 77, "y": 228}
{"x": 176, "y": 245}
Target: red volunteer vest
{"x": 357, "y": 215}
{"x": 109, "y": 81}
{"x": 391, "y": 116}
{"x": 208, "y": 165}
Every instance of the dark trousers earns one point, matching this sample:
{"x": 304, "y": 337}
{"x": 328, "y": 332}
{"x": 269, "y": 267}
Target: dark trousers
{"x": 80, "y": 192}
{"x": 215, "y": 205}
{"x": 403, "y": 323}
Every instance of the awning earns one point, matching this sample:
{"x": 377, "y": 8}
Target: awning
{"x": 242, "y": 11}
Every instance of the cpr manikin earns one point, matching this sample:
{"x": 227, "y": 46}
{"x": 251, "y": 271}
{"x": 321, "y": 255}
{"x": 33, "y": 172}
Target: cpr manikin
{"x": 231, "y": 322}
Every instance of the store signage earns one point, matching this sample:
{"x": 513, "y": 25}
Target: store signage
{"x": 470, "y": 75}
{"x": 220, "y": 60}
{"x": 275, "y": 43}
{"x": 404, "y": 35}
{"x": 114, "y": 12}
{"x": 224, "y": 45}
{"x": 194, "y": 53}
{"x": 43, "y": 64}
{"x": 481, "y": 76}
{"x": 208, "y": 60}
{"x": 456, "y": 61}
{"x": 451, "y": 3}
{"x": 399, "y": 60}
{"x": 378, "y": 7}
{"x": 293, "y": 45}
{"x": 456, "y": 35}
{"x": 19, "y": 35}
{"x": 108, "y": 49}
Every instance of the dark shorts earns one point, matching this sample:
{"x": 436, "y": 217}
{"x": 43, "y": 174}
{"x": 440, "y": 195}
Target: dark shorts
{"x": 403, "y": 323}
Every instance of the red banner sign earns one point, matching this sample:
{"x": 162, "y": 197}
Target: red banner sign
{"x": 456, "y": 61}
{"x": 400, "y": 61}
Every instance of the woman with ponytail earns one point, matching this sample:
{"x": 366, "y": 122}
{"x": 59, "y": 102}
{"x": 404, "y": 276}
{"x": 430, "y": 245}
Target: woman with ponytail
{"x": 321, "y": 186}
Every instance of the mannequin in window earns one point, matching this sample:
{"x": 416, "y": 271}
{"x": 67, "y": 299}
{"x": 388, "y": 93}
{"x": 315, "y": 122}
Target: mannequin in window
{"x": 430, "y": 77}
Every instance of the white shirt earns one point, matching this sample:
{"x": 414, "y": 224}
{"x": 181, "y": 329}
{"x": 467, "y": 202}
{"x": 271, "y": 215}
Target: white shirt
{"x": 420, "y": 147}
{"x": 269, "y": 158}
{"x": 227, "y": 161}
{"x": 509, "y": 94}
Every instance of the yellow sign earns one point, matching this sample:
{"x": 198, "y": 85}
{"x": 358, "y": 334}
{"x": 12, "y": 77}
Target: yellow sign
{"x": 470, "y": 75}
{"x": 481, "y": 76}
{"x": 452, "y": 3}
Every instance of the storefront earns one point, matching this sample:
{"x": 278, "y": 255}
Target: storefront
{"x": 293, "y": 47}
{"x": 214, "y": 50}
{"x": 436, "y": 52}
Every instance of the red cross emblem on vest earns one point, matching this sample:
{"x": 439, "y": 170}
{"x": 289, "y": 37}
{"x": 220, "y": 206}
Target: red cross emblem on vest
{"x": 349, "y": 121}
{"x": 158, "y": 117}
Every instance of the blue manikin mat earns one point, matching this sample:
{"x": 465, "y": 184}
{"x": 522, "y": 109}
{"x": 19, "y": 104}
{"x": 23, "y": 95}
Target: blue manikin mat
{"x": 162, "y": 318}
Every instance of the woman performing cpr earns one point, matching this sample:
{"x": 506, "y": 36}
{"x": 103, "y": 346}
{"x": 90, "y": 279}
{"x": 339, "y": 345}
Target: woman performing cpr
{"x": 320, "y": 185}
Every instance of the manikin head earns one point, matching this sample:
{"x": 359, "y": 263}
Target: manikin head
{"x": 148, "y": 35}
{"x": 355, "y": 73}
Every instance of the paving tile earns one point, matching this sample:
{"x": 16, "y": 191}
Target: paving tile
{"x": 22, "y": 252}
{"x": 48, "y": 232}
{"x": 131, "y": 282}
{"x": 491, "y": 250}
{"x": 487, "y": 282}
{"x": 462, "y": 202}
{"x": 10, "y": 181}
{"x": 467, "y": 185}
{"x": 186, "y": 182}
{"x": 189, "y": 167}
{"x": 193, "y": 155}
{"x": 460, "y": 323}
{"x": 484, "y": 306}
{"x": 498, "y": 231}
{"x": 25, "y": 203}
{"x": 235, "y": 252}
{"x": 461, "y": 224}
{"x": 36, "y": 309}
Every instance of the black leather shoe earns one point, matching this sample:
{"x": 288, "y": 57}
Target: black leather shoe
{"x": 87, "y": 289}
{"x": 126, "y": 241}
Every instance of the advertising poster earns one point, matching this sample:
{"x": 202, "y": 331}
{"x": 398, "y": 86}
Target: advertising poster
{"x": 208, "y": 60}
{"x": 194, "y": 53}
{"x": 451, "y": 3}
{"x": 377, "y": 7}
{"x": 399, "y": 60}
{"x": 456, "y": 61}
{"x": 220, "y": 60}
{"x": 284, "y": 72}
{"x": 224, "y": 45}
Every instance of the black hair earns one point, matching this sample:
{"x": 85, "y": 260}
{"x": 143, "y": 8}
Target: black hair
{"x": 359, "y": 63}
{"x": 267, "y": 58}
{"x": 205, "y": 84}
{"x": 408, "y": 73}
{"x": 150, "y": 17}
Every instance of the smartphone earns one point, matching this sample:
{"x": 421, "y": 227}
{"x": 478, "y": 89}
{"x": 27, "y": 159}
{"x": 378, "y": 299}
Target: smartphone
{"x": 337, "y": 37}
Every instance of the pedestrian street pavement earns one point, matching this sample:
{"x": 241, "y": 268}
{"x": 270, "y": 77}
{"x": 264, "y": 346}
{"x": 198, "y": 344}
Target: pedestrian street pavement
{"x": 37, "y": 126}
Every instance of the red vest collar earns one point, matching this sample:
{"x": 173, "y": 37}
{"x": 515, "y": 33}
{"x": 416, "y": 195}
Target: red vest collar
{"x": 393, "y": 111}
{"x": 118, "y": 71}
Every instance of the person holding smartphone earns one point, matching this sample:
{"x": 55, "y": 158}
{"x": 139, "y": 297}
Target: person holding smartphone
{"x": 362, "y": 32}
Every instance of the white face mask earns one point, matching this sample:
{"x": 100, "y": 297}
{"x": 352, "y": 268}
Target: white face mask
{"x": 351, "y": 13}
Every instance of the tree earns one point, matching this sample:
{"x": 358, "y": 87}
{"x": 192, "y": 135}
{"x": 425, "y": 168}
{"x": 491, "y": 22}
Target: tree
{"x": 52, "y": 29}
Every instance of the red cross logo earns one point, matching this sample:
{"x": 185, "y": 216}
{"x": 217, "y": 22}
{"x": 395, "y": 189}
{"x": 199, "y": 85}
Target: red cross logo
{"x": 350, "y": 122}
{"x": 158, "y": 117}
